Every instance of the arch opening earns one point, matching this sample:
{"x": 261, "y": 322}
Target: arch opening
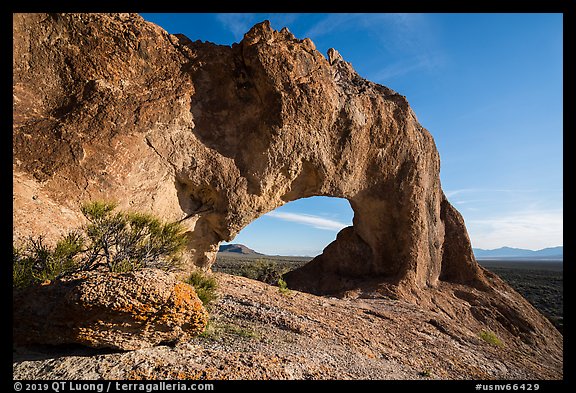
{"x": 288, "y": 237}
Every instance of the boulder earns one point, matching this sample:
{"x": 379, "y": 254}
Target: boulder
{"x": 124, "y": 311}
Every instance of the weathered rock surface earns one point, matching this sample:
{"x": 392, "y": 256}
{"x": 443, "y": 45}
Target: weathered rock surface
{"x": 109, "y": 310}
{"x": 112, "y": 107}
{"x": 258, "y": 333}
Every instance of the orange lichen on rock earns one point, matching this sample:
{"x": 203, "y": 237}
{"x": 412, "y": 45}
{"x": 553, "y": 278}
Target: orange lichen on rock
{"x": 122, "y": 311}
{"x": 186, "y": 310}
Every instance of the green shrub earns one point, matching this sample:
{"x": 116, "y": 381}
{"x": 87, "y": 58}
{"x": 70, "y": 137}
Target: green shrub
{"x": 130, "y": 241}
{"x": 111, "y": 241}
{"x": 244, "y": 332}
{"x": 263, "y": 270}
{"x": 204, "y": 285}
{"x": 490, "y": 338}
{"x": 283, "y": 286}
{"x": 35, "y": 262}
{"x": 211, "y": 331}
{"x": 21, "y": 268}
{"x": 216, "y": 330}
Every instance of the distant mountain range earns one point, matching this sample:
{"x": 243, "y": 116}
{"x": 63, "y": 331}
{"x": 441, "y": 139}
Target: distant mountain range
{"x": 509, "y": 252}
{"x": 502, "y": 252}
{"x": 237, "y": 249}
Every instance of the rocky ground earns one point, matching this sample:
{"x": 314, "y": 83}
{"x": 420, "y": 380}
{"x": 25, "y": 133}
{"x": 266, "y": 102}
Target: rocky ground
{"x": 258, "y": 332}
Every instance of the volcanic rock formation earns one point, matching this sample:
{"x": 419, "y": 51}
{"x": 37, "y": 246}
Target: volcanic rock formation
{"x": 113, "y": 107}
{"x": 109, "y": 310}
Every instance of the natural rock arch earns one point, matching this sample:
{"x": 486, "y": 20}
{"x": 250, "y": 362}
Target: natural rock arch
{"x": 216, "y": 136}
{"x": 308, "y": 126}
{"x": 112, "y": 107}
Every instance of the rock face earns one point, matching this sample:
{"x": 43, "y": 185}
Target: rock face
{"x": 113, "y": 107}
{"x": 106, "y": 310}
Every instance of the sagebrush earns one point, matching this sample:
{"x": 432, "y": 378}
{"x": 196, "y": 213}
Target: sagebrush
{"x": 491, "y": 338}
{"x": 204, "y": 285}
{"x": 111, "y": 241}
{"x": 264, "y": 270}
{"x": 283, "y": 287}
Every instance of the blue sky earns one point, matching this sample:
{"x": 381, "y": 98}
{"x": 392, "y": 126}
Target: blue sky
{"x": 488, "y": 87}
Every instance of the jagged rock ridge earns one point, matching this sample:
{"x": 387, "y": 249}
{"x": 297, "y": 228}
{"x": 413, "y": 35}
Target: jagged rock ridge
{"x": 113, "y": 107}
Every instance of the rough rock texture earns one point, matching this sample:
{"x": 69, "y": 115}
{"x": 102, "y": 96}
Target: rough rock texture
{"x": 113, "y": 107}
{"x": 258, "y": 333}
{"x": 109, "y": 310}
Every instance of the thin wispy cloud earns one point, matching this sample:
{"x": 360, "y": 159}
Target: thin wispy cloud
{"x": 282, "y": 20}
{"x": 397, "y": 23}
{"x": 531, "y": 229}
{"x": 468, "y": 201}
{"x": 310, "y": 220}
{"x": 453, "y": 193}
{"x": 403, "y": 67}
{"x": 513, "y": 217}
{"x": 331, "y": 23}
{"x": 408, "y": 40}
{"x": 237, "y": 24}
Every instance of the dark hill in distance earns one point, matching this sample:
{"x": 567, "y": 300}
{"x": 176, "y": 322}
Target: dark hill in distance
{"x": 553, "y": 253}
{"x": 237, "y": 249}
{"x": 520, "y": 253}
